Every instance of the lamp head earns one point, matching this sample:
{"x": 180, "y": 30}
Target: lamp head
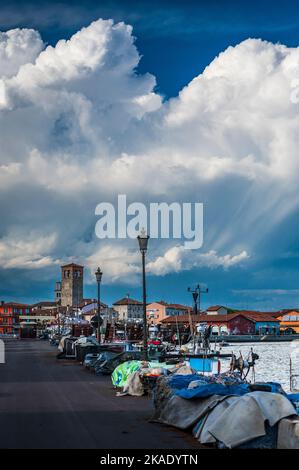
{"x": 143, "y": 241}
{"x": 98, "y": 275}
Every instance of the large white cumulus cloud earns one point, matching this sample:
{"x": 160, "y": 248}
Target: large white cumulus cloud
{"x": 79, "y": 125}
{"x": 177, "y": 259}
{"x": 18, "y": 47}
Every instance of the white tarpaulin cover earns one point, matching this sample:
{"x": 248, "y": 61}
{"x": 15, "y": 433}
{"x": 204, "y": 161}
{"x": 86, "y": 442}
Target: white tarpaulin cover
{"x": 244, "y": 418}
{"x": 183, "y": 413}
{"x": 202, "y": 431}
{"x": 288, "y": 433}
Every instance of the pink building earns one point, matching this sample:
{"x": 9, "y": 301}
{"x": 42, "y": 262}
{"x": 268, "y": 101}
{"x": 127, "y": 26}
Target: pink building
{"x": 157, "y": 311}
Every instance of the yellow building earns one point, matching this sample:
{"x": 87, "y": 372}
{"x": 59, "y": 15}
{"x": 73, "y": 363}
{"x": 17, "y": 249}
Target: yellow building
{"x": 289, "y": 319}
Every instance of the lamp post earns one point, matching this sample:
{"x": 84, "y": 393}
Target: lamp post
{"x": 98, "y": 275}
{"x": 195, "y": 297}
{"x": 201, "y": 290}
{"x": 58, "y": 319}
{"x": 196, "y": 293}
{"x": 143, "y": 241}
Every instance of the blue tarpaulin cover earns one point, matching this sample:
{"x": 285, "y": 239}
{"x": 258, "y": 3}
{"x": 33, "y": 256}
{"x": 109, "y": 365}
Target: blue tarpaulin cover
{"x": 224, "y": 409}
{"x": 182, "y": 381}
{"x": 206, "y": 387}
{"x": 293, "y": 397}
{"x": 213, "y": 389}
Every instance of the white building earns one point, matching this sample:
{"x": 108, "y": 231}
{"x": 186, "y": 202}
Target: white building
{"x": 90, "y": 309}
{"x": 217, "y": 310}
{"x": 129, "y": 309}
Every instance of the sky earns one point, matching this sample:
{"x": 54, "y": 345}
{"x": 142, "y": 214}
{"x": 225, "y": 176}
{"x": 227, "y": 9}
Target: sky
{"x": 164, "y": 102}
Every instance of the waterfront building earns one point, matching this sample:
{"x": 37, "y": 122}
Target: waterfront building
{"x": 9, "y": 316}
{"x": 157, "y": 311}
{"x": 129, "y": 310}
{"x": 252, "y": 323}
{"x": 289, "y": 320}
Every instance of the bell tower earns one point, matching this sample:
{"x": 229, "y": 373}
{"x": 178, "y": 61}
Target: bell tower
{"x": 71, "y": 285}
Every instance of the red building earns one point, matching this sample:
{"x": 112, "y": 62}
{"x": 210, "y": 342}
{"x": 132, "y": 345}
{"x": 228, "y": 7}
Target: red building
{"x": 248, "y": 323}
{"x": 232, "y": 323}
{"x": 9, "y": 316}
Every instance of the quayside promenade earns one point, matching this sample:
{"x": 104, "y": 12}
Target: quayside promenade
{"x": 49, "y": 403}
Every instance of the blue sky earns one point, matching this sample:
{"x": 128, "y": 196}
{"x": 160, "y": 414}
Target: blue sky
{"x": 176, "y": 41}
{"x": 187, "y": 35}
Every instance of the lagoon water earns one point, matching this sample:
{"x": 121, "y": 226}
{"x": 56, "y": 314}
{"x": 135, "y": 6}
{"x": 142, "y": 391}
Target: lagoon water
{"x": 273, "y": 364}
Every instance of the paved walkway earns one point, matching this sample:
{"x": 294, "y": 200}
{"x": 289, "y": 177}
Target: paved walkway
{"x": 50, "y": 403}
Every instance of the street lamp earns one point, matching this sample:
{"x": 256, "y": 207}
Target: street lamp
{"x": 143, "y": 241}
{"x": 99, "y": 275}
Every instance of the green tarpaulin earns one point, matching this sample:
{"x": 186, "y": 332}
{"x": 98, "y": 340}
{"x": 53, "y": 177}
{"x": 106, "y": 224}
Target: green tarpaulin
{"x": 121, "y": 373}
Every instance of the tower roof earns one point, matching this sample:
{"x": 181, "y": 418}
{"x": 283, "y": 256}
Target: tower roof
{"x": 72, "y": 265}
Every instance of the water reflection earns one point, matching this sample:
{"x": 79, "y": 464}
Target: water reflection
{"x": 274, "y": 362}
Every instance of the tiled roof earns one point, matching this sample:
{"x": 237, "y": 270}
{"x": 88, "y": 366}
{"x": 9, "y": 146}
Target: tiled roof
{"x": 218, "y": 318}
{"x": 86, "y": 309}
{"x": 253, "y": 316}
{"x": 87, "y": 302}
{"x": 46, "y": 303}
{"x": 185, "y": 318}
{"x": 179, "y": 306}
{"x": 258, "y": 314}
{"x": 214, "y": 308}
{"x": 176, "y": 306}
{"x": 127, "y": 301}
{"x": 287, "y": 310}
